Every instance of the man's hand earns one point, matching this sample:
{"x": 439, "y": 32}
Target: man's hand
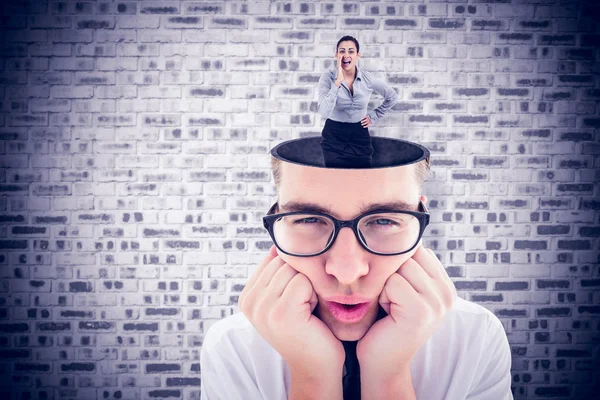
{"x": 416, "y": 298}
{"x": 366, "y": 121}
{"x": 279, "y": 301}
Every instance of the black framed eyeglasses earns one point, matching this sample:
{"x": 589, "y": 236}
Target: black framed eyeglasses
{"x": 380, "y": 232}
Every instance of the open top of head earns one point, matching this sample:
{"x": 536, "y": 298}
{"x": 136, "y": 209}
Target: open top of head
{"x": 388, "y": 152}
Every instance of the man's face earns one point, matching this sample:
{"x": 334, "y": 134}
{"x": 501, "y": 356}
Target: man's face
{"x": 347, "y": 269}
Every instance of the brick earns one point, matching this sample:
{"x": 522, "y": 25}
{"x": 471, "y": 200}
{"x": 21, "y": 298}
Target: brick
{"x": 470, "y": 92}
{"x": 514, "y": 38}
{"x": 447, "y": 107}
{"x": 573, "y": 245}
{"x": 488, "y": 25}
{"x": 514, "y": 285}
{"x": 478, "y": 120}
{"x": 272, "y": 22}
{"x": 530, "y": 245}
{"x": 553, "y": 312}
{"x": 513, "y": 92}
{"x": 568, "y": 40}
{"x": 507, "y": 312}
{"x": 470, "y": 285}
{"x": 530, "y": 81}
{"x": 375, "y": 9}
{"x": 569, "y": 188}
{"x": 396, "y": 23}
{"x": 339, "y": 9}
{"x": 532, "y": 25}
{"x": 447, "y": 23}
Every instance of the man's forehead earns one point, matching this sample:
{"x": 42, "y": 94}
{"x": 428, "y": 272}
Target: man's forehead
{"x": 347, "y": 192}
{"x": 303, "y": 178}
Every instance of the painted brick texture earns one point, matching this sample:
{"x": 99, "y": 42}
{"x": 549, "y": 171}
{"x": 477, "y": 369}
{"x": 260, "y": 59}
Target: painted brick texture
{"x": 135, "y": 171}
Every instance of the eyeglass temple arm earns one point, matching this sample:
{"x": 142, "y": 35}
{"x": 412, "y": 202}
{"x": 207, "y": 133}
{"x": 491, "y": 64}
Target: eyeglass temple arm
{"x": 272, "y": 209}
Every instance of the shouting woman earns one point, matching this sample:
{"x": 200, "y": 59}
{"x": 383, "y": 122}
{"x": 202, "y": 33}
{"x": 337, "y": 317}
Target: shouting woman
{"x": 344, "y": 94}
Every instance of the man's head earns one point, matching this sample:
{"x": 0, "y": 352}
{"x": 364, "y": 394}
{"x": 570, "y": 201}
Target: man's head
{"x": 347, "y": 269}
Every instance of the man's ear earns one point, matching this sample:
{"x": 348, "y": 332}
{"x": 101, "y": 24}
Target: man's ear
{"x": 424, "y": 199}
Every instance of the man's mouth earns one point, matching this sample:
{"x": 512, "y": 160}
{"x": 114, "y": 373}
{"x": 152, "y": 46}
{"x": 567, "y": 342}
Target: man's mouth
{"x": 348, "y": 313}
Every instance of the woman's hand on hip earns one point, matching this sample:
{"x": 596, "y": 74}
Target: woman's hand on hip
{"x": 366, "y": 121}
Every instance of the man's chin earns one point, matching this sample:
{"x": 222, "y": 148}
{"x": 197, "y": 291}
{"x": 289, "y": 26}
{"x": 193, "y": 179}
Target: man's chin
{"x": 349, "y": 334}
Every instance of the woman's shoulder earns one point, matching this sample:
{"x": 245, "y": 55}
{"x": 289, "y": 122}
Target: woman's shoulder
{"x": 329, "y": 73}
{"x": 327, "y": 77}
{"x": 368, "y": 75}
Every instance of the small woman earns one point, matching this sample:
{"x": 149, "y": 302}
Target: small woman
{"x": 343, "y": 98}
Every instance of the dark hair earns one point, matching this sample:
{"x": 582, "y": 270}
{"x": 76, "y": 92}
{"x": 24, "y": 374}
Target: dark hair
{"x": 343, "y": 39}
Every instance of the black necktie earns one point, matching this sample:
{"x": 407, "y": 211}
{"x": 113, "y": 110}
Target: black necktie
{"x": 351, "y": 381}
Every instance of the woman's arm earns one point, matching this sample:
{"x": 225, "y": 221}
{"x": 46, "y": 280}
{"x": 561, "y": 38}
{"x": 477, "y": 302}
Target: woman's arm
{"x": 328, "y": 91}
{"x": 390, "y": 97}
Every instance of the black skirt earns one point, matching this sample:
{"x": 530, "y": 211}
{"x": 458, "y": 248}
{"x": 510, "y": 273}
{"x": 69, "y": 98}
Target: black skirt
{"x": 346, "y": 145}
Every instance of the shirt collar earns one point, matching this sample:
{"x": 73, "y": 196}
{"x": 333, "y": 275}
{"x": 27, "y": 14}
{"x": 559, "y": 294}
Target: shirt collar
{"x": 359, "y": 73}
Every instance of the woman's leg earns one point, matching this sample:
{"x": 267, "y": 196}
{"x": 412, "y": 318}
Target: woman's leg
{"x": 331, "y": 145}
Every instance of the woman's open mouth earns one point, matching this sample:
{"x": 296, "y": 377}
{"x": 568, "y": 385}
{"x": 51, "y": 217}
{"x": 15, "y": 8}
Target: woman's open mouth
{"x": 346, "y": 62}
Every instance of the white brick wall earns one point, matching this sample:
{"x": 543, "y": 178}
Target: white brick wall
{"x": 135, "y": 171}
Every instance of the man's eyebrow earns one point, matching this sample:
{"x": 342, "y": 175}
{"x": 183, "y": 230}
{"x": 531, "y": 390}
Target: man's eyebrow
{"x": 398, "y": 205}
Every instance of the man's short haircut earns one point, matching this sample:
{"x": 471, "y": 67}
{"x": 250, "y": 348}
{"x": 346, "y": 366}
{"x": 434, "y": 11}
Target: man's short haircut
{"x": 421, "y": 170}
{"x": 343, "y": 39}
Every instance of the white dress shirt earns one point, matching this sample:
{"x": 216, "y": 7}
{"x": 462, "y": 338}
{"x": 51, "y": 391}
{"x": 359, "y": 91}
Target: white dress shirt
{"x": 468, "y": 357}
{"x": 339, "y": 104}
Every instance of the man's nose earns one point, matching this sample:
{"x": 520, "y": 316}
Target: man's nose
{"x": 346, "y": 258}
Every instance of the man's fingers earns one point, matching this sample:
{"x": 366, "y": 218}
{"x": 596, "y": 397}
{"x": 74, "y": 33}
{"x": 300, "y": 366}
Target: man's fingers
{"x": 424, "y": 271}
{"x": 448, "y": 288}
{"x": 298, "y": 291}
{"x": 440, "y": 267}
{"x": 427, "y": 261}
{"x": 260, "y": 275}
{"x": 263, "y": 264}
{"x": 268, "y": 272}
{"x": 257, "y": 272}
{"x": 442, "y": 275}
{"x": 418, "y": 278}
{"x": 401, "y": 295}
{"x": 280, "y": 280}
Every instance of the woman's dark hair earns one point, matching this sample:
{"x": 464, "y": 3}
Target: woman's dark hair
{"x": 343, "y": 39}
